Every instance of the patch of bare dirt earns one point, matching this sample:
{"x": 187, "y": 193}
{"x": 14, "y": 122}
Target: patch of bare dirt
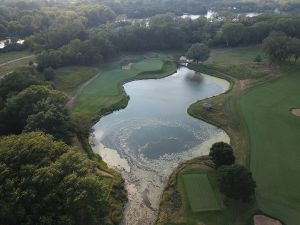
{"x": 70, "y": 103}
{"x": 128, "y": 66}
{"x": 264, "y": 220}
{"x": 295, "y": 112}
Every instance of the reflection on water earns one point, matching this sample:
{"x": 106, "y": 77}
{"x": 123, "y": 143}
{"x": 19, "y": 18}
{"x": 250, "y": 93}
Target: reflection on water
{"x": 153, "y": 134}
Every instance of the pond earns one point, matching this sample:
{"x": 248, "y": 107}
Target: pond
{"x": 149, "y": 138}
{"x": 211, "y": 15}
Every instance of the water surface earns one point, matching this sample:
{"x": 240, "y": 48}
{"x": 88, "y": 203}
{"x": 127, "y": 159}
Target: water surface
{"x": 3, "y": 43}
{"x": 153, "y": 134}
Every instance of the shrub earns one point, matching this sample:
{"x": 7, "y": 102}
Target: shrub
{"x": 221, "y": 154}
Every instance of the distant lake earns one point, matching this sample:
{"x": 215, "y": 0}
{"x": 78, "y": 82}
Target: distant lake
{"x": 153, "y": 134}
{"x": 210, "y": 15}
{"x": 4, "y": 42}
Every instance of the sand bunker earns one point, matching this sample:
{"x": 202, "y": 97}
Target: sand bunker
{"x": 296, "y": 112}
{"x": 127, "y": 67}
{"x": 264, "y": 220}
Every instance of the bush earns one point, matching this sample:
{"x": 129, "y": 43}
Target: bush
{"x": 258, "y": 58}
{"x": 221, "y": 154}
{"x": 49, "y": 74}
{"x": 236, "y": 182}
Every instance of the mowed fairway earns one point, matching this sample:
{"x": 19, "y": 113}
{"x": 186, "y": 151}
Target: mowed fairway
{"x": 275, "y": 145}
{"x": 105, "y": 92}
{"x": 199, "y": 192}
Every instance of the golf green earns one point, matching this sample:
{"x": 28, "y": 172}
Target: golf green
{"x": 275, "y": 145}
{"x": 199, "y": 192}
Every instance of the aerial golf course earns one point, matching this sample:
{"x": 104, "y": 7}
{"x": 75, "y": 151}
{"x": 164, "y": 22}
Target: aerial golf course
{"x": 264, "y": 109}
{"x": 258, "y": 114}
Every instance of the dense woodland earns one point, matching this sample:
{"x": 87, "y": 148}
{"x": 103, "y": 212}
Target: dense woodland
{"x": 35, "y": 126}
{"x": 92, "y": 33}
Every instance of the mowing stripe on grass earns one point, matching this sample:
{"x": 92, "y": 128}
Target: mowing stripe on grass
{"x": 274, "y": 142}
{"x": 199, "y": 192}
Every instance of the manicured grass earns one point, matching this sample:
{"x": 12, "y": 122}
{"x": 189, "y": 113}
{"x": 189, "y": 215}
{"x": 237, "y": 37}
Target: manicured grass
{"x": 229, "y": 211}
{"x": 275, "y": 140}
{"x": 199, "y": 192}
{"x": 69, "y": 78}
{"x": 105, "y": 92}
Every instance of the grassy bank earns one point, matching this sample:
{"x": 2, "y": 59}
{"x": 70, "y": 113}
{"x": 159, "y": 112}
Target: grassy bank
{"x": 68, "y": 79}
{"x": 106, "y": 93}
{"x": 226, "y": 111}
{"x": 228, "y": 114}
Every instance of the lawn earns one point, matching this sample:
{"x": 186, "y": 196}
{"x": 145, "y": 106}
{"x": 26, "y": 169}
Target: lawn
{"x": 275, "y": 140}
{"x": 199, "y": 192}
{"x": 238, "y": 62}
{"x": 69, "y": 78}
{"x": 235, "y": 55}
{"x": 105, "y": 92}
{"x": 6, "y": 57}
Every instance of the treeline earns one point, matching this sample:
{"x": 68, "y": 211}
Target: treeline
{"x": 254, "y": 30}
{"x": 149, "y": 8}
{"x": 22, "y": 19}
{"x": 282, "y": 48}
{"x": 161, "y": 32}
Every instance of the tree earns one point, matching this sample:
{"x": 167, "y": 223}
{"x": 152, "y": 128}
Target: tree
{"x": 276, "y": 46}
{"x": 37, "y": 108}
{"x": 49, "y": 74}
{"x": 236, "y": 182}
{"x": 233, "y": 33}
{"x": 17, "y": 81}
{"x": 222, "y": 154}
{"x": 198, "y": 52}
{"x": 52, "y": 121}
{"x": 294, "y": 48}
{"x": 47, "y": 182}
{"x": 258, "y": 58}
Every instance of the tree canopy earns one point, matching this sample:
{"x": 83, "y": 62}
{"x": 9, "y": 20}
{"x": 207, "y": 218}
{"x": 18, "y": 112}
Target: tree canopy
{"x": 222, "y": 154}
{"x": 37, "y": 108}
{"x": 280, "y": 47}
{"x": 46, "y": 182}
{"x": 17, "y": 81}
{"x": 236, "y": 182}
{"x": 198, "y": 52}
{"x": 233, "y": 33}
